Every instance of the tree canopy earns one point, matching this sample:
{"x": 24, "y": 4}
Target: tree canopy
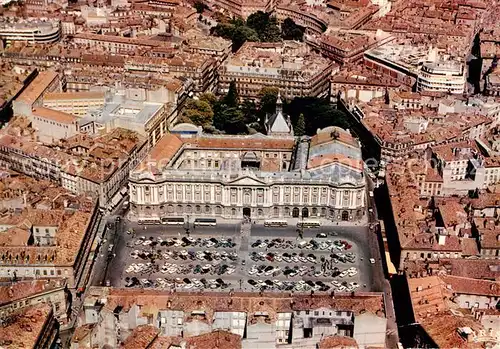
{"x": 318, "y": 113}
{"x": 231, "y": 99}
{"x": 300, "y": 126}
{"x": 199, "y": 6}
{"x": 292, "y": 31}
{"x": 199, "y": 112}
{"x": 265, "y": 26}
{"x": 268, "y": 97}
{"x": 230, "y": 115}
{"x": 259, "y": 26}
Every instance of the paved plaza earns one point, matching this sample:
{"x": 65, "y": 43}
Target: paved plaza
{"x": 236, "y": 256}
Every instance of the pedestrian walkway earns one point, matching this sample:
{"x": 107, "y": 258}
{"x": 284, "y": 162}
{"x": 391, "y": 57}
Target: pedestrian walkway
{"x": 244, "y": 242}
{"x": 324, "y": 222}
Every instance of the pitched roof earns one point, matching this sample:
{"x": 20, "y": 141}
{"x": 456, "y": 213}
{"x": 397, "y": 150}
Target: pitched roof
{"x": 23, "y": 328}
{"x": 246, "y": 302}
{"x": 443, "y": 329}
{"x": 141, "y": 337}
{"x": 472, "y": 268}
{"x": 161, "y": 154}
{"x": 54, "y": 115}
{"x": 278, "y": 124}
{"x": 74, "y": 95}
{"x": 465, "y": 285}
{"x": 22, "y": 289}
{"x": 36, "y": 88}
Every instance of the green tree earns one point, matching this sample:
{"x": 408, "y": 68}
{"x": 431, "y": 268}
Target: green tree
{"x": 223, "y": 30}
{"x": 291, "y": 31}
{"x": 249, "y": 111}
{"x": 231, "y": 99}
{"x": 230, "y": 120}
{"x": 271, "y": 33}
{"x": 242, "y": 34}
{"x": 268, "y": 97}
{"x": 235, "y": 123}
{"x": 198, "y": 112}
{"x": 199, "y": 6}
{"x": 318, "y": 113}
{"x": 265, "y": 26}
{"x": 208, "y": 97}
{"x": 258, "y": 21}
{"x": 300, "y": 126}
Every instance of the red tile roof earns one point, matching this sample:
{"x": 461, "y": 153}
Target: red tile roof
{"x": 466, "y": 285}
{"x": 339, "y": 342}
{"x": 161, "y": 154}
{"x": 141, "y": 337}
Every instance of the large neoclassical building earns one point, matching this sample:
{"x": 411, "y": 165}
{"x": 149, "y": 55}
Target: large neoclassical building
{"x": 260, "y": 176}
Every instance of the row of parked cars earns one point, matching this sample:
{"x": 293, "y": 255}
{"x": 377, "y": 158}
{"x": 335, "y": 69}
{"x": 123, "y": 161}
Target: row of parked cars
{"x": 171, "y": 268}
{"x": 141, "y": 268}
{"x": 185, "y": 255}
{"x": 313, "y": 271}
{"x": 303, "y": 286}
{"x": 185, "y": 242}
{"x": 300, "y": 257}
{"x": 313, "y": 244}
{"x": 179, "y": 283}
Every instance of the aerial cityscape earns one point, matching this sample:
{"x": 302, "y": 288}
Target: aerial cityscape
{"x": 249, "y": 174}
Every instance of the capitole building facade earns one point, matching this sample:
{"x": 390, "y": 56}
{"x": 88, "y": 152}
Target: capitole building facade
{"x": 260, "y": 176}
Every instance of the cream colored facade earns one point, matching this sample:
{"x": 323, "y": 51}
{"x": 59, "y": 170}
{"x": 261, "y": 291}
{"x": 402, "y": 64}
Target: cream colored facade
{"x": 233, "y": 197}
{"x": 312, "y": 23}
{"x": 107, "y": 188}
{"x": 258, "y": 176}
{"x": 242, "y": 8}
{"x": 72, "y": 172}
{"x": 288, "y": 66}
{"x": 442, "y": 77}
{"x": 76, "y": 103}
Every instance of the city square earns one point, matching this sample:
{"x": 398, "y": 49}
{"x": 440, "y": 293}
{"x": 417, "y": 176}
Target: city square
{"x": 338, "y": 257}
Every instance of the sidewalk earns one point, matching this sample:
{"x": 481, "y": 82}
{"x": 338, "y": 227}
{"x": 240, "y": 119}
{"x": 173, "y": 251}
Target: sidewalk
{"x": 324, "y": 222}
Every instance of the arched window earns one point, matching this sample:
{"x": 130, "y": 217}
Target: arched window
{"x": 247, "y": 198}
{"x": 345, "y": 215}
{"x": 276, "y": 211}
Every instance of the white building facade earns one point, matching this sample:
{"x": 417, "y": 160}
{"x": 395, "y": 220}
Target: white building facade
{"x": 255, "y": 176}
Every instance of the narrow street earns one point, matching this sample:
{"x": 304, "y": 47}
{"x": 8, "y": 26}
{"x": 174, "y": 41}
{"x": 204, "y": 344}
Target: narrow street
{"x": 392, "y": 336}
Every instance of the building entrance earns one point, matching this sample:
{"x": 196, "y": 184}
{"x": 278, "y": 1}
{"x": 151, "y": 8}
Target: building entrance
{"x": 247, "y": 212}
